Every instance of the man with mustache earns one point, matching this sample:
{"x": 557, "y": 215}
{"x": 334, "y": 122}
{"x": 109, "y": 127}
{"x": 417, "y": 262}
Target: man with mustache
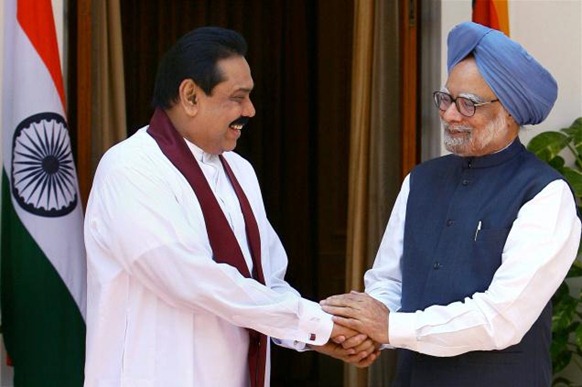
{"x": 478, "y": 241}
{"x": 185, "y": 273}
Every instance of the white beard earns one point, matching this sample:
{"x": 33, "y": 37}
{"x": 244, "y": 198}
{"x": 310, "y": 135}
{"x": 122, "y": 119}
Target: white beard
{"x": 469, "y": 143}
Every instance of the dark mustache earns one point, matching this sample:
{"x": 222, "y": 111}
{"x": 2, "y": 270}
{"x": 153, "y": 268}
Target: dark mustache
{"x": 240, "y": 121}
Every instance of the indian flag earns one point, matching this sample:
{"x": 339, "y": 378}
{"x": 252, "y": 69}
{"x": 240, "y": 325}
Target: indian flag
{"x": 43, "y": 269}
{"x": 492, "y": 13}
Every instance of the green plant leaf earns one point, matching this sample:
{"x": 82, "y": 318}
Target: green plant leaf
{"x": 561, "y": 381}
{"x": 561, "y": 357}
{"x": 564, "y": 313}
{"x": 557, "y": 163}
{"x": 547, "y": 145}
{"x": 576, "y": 268}
{"x": 575, "y": 127}
{"x": 578, "y": 335}
{"x": 574, "y": 177}
{"x": 575, "y": 132}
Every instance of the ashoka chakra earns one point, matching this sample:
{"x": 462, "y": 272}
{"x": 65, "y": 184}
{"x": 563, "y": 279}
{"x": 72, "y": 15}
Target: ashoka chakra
{"x": 43, "y": 172}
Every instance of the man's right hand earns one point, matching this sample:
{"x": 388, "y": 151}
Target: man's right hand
{"x": 359, "y": 356}
{"x": 350, "y": 346}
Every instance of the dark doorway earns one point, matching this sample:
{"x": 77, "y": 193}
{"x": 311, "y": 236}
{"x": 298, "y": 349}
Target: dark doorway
{"x": 300, "y": 56}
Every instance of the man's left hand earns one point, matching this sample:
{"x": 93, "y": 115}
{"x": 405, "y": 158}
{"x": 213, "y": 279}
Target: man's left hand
{"x": 359, "y": 312}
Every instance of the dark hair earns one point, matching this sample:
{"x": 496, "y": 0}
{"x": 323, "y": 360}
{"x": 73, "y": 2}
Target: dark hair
{"x": 195, "y": 56}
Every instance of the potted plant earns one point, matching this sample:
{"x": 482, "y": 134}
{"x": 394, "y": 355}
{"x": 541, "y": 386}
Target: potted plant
{"x": 567, "y": 307}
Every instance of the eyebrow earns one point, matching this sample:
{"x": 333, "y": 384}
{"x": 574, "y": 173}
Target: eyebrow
{"x": 243, "y": 89}
{"x": 471, "y": 96}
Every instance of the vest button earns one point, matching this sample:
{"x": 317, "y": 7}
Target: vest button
{"x": 436, "y": 266}
{"x": 450, "y": 222}
{"x": 466, "y": 182}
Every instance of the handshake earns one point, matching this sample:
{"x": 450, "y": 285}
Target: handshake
{"x": 360, "y": 328}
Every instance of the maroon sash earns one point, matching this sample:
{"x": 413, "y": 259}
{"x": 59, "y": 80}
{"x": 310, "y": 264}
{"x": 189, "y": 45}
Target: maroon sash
{"x": 225, "y": 247}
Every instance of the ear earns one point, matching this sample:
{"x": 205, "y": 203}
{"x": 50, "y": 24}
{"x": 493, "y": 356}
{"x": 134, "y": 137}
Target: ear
{"x": 187, "y": 94}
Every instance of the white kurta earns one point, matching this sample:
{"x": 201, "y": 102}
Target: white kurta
{"x": 160, "y": 311}
{"x": 539, "y": 250}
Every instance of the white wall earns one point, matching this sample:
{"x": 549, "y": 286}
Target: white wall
{"x": 551, "y": 31}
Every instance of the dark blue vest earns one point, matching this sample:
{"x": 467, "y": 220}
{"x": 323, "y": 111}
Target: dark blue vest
{"x": 445, "y": 259}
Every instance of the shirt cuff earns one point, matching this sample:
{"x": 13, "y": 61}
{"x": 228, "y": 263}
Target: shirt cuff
{"x": 402, "y": 330}
{"x": 314, "y": 324}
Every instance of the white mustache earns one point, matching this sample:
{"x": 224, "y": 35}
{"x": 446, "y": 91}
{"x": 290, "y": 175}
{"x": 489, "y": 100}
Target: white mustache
{"x": 460, "y": 128}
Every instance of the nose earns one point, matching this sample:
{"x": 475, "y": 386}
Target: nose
{"x": 249, "y": 109}
{"x": 452, "y": 113}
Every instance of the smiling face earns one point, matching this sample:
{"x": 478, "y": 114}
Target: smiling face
{"x": 489, "y": 130}
{"x": 218, "y": 118}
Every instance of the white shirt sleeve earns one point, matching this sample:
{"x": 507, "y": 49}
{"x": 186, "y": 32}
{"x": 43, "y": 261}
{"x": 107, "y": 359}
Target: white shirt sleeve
{"x": 142, "y": 225}
{"x": 538, "y": 253}
{"x": 384, "y": 280}
{"x": 280, "y": 285}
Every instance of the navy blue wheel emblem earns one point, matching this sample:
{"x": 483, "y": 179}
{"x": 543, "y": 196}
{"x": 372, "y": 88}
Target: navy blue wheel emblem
{"x": 43, "y": 172}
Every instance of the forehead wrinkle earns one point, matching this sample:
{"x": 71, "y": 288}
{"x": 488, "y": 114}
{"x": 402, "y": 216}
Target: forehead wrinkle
{"x": 229, "y": 91}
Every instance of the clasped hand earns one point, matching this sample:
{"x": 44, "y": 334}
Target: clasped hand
{"x": 360, "y": 327}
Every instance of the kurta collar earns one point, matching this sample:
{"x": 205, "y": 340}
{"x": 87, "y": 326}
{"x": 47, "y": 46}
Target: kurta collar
{"x": 200, "y": 155}
{"x": 494, "y": 159}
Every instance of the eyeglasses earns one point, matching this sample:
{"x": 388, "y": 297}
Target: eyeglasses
{"x": 465, "y": 106}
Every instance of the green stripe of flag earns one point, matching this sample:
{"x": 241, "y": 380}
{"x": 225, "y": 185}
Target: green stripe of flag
{"x": 43, "y": 329}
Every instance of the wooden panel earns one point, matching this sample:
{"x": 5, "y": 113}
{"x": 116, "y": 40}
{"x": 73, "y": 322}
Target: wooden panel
{"x": 333, "y": 101}
{"x": 334, "y": 65}
{"x": 83, "y": 97}
{"x": 409, "y": 89}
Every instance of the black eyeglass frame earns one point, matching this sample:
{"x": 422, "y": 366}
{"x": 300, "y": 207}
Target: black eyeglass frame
{"x": 473, "y": 104}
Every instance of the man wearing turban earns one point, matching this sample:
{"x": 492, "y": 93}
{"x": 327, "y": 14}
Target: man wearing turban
{"x": 478, "y": 240}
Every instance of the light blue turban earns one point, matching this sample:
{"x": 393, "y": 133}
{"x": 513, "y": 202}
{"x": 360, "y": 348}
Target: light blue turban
{"x": 526, "y": 89}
